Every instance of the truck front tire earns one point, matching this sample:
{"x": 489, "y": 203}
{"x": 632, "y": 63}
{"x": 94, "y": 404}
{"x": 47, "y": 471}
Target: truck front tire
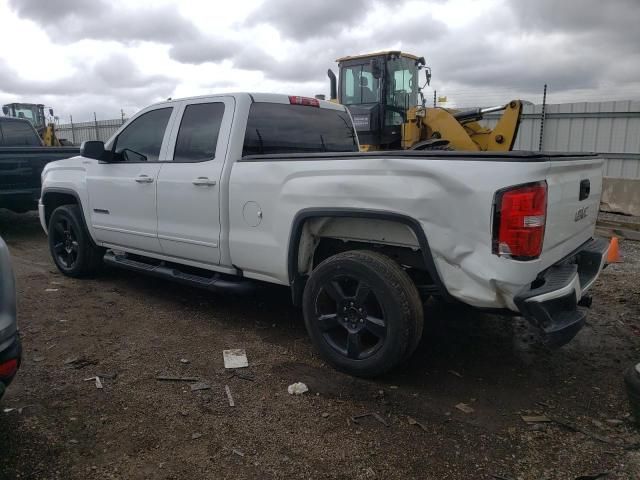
{"x": 363, "y": 313}
{"x": 72, "y": 250}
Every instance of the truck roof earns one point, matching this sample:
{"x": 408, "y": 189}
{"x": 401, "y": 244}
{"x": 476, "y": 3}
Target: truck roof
{"x": 255, "y": 97}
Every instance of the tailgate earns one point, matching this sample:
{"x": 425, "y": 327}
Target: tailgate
{"x": 573, "y": 201}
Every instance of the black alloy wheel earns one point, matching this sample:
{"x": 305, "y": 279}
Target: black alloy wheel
{"x": 65, "y": 243}
{"x": 350, "y": 317}
{"x": 363, "y": 312}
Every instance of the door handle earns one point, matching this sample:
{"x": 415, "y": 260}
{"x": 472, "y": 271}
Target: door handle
{"x": 203, "y": 181}
{"x": 144, "y": 179}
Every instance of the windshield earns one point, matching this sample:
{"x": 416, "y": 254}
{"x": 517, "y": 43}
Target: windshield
{"x": 402, "y": 88}
{"x": 27, "y": 112}
{"x": 358, "y": 86}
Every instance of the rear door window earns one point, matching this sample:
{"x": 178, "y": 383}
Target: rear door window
{"x": 198, "y": 134}
{"x": 280, "y": 128}
{"x": 19, "y": 134}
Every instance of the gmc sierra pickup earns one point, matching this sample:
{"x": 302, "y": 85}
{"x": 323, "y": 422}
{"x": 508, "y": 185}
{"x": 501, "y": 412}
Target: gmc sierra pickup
{"x": 216, "y": 191}
{"x": 22, "y": 158}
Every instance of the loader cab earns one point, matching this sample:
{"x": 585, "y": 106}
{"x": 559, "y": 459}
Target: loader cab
{"x": 378, "y": 89}
{"x": 27, "y": 111}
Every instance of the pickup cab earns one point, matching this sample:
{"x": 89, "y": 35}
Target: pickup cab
{"x": 223, "y": 191}
{"x": 22, "y": 158}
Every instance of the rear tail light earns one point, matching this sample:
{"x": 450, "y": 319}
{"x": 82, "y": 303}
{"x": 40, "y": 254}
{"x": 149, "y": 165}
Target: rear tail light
{"x": 8, "y": 369}
{"x": 309, "y": 102}
{"x": 519, "y": 219}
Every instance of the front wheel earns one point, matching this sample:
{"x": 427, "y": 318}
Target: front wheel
{"x": 362, "y": 312}
{"x": 72, "y": 250}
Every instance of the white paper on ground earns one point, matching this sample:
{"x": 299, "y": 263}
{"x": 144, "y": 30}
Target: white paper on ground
{"x": 235, "y": 358}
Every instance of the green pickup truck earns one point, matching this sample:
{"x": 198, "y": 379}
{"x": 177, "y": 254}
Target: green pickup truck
{"x": 22, "y": 158}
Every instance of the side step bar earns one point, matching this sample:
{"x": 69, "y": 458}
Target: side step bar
{"x": 216, "y": 282}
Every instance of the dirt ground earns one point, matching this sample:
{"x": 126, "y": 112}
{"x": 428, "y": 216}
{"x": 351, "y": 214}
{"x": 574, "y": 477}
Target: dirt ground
{"x": 129, "y": 329}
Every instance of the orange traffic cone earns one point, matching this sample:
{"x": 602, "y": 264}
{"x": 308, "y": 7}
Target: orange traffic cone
{"x": 614, "y": 253}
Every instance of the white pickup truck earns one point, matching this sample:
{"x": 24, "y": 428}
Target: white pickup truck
{"x": 221, "y": 191}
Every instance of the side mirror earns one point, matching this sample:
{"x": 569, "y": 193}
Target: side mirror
{"x": 5, "y": 110}
{"x": 376, "y": 71}
{"x": 93, "y": 149}
{"x": 51, "y": 112}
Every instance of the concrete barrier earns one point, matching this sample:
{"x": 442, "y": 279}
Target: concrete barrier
{"x": 621, "y": 195}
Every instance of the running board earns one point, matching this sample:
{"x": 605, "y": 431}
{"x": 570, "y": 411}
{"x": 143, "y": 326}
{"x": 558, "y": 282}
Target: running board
{"x": 217, "y": 282}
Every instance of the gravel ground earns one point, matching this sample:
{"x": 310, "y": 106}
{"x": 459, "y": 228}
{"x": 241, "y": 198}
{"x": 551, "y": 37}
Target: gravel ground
{"x": 129, "y": 329}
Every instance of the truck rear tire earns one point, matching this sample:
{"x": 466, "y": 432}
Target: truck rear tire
{"x": 72, "y": 250}
{"x": 363, "y": 312}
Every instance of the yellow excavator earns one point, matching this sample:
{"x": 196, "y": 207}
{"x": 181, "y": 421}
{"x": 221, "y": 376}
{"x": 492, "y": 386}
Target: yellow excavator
{"x": 34, "y": 112}
{"x": 382, "y": 92}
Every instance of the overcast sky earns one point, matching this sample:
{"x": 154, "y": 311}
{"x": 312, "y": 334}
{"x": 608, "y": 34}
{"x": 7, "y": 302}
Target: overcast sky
{"x": 81, "y": 56}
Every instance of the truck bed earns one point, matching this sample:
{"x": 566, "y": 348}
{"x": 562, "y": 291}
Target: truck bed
{"x": 20, "y": 169}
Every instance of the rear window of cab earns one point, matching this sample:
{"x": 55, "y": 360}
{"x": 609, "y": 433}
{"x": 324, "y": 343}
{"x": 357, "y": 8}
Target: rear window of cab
{"x": 274, "y": 128}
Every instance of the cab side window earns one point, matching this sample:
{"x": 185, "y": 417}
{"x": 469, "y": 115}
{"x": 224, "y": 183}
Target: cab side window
{"x": 198, "y": 134}
{"x": 142, "y": 139}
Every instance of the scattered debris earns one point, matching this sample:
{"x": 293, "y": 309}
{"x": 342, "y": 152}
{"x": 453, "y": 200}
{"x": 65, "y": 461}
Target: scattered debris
{"x": 237, "y": 452}
{"x": 80, "y": 362}
{"x": 168, "y": 378}
{"x": 454, "y": 373}
{"x": 463, "y": 407}
{"x": 195, "y": 436}
{"x": 536, "y": 419}
{"x": 325, "y": 414}
{"x": 38, "y": 359}
{"x": 97, "y": 380}
{"x": 356, "y": 418}
{"x": 107, "y": 376}
{"x": 413, "y": 421}
{"x": 15, "y": 409}
{"x": 500, "y": 477}
{"x": 235, "y": 358}
{"x": 297, "y": 388}
{"x": 229, "y": 397}
{"x": 50, "y": 289}
{"x": 576, "y": 428}
{"x": 184, "y": 360}
{"x": 199, "y": 386}
{"x": 614, "y": 421}
{"x": 242, "y": 375}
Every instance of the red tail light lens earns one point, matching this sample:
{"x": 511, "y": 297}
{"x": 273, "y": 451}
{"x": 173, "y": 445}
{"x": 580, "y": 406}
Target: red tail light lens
{"x": 309, "y": 102}
{"x": 9, "y": 368}
{"x": 519, "y": 221}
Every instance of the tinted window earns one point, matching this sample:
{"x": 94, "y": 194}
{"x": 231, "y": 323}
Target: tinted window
{"x": 143, "y": 136}
{"x": 19, "y": 134}
{"x": 358, "y": 85}
{"x": 281, "y": 128}
{"x": 198, "y": 134}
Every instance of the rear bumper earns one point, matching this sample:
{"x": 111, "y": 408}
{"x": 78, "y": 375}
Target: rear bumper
{"x": 10, "y": 356}
{"x": 551, "y": 302}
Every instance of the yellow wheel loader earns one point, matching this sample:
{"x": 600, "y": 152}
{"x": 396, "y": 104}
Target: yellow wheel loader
{"x": 33, "y": 112}
{"x": 382, "y": 92}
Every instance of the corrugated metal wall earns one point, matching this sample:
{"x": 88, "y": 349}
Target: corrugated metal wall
{"x": 609, "y": 128}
